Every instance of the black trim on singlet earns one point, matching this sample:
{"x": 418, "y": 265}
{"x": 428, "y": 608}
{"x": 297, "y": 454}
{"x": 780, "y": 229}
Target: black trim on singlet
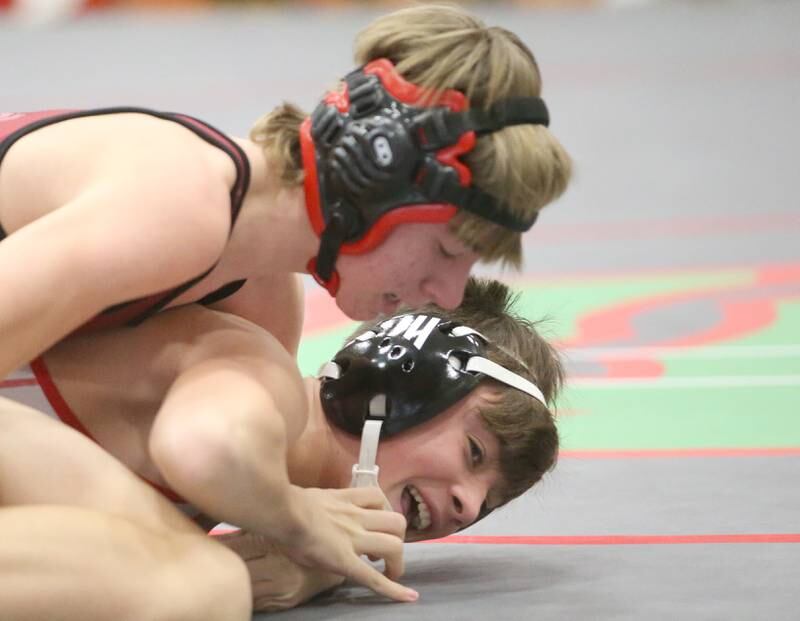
{"x": 223, "y": 292}
{"x": 2, "y": 233}
{"x": 237, "y": 193}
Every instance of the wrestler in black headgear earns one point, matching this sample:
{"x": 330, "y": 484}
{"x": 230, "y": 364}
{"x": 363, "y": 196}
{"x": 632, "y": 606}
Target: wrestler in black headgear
{"x": 406, "y": 370}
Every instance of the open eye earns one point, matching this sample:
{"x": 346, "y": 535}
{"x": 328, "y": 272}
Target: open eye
{"x": 475, "y": 453}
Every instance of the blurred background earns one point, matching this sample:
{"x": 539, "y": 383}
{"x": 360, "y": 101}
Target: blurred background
{"x": 670, "y": 271}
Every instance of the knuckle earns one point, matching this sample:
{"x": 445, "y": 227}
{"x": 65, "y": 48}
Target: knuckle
{"x": 400, "y": 522}
{"x": 373, "y": 494}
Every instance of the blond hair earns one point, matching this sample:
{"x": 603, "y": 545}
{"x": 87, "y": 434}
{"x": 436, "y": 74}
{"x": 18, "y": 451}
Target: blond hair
{"x": 441, "y": 47}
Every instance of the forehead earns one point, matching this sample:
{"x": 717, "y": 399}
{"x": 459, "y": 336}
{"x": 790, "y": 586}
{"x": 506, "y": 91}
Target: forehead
{"x": 483, "y": 396}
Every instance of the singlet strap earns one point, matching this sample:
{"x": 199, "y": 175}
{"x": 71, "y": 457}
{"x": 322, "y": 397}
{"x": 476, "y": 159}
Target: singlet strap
{"x": 223, "y": 292}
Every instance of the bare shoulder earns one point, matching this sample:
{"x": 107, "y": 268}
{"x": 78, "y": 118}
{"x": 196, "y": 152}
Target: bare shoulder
{"x": 203, "y": 334}
{"x": 147, "y": 162}
{"x": 210, "y": 331}
{"x": 170, "y": 163}
{"x": 214, "y": 339}
{"x": 144, "y": 201}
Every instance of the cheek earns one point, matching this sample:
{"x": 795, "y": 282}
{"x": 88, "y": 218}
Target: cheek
{"x": 398, "y": 463}
{"x": 358, "y": 272}
{"x": 380, "y": 269}
{"x": 415, "y": 458}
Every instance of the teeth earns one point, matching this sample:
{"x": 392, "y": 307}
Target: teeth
{"x": 422, "y": 520}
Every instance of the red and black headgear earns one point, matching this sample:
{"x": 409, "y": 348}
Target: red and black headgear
{"x": 384, "y": 151}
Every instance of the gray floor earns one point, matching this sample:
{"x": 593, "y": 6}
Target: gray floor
{"x": 681, "y": 119}
{"x": 602, "y": 497}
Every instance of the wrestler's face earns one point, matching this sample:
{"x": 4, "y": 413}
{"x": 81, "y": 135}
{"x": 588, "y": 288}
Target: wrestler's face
{"x": 416, "y": 264}
{"x": 449, "y": 462}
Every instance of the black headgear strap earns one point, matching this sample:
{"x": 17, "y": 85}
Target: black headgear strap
{"x": 442, "y": 127}
{"x": 439, "y": 127}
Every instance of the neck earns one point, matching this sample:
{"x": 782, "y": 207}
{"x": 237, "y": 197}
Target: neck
{"x": 323, "y": 455}
{"x": 273, "y": 232}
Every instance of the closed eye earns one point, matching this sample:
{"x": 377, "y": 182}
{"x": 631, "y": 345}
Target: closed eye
{"x": 447, "y": 255}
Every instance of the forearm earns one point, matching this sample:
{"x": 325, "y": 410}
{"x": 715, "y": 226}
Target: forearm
{"x": 41, "y": 303}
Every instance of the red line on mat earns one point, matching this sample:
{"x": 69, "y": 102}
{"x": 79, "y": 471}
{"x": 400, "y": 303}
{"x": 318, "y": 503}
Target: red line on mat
{"x": 600, "y": 540}
{"x": 776, "y": 451}
{"x": 614, "y": 540}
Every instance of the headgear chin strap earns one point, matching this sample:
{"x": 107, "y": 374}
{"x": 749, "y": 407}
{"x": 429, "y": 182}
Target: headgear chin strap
{"x": 401, "y": 373}
{"x": 385, "y": 151}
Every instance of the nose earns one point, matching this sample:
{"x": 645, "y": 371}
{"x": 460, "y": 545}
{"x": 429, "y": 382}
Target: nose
{"x": 467, "y": 502}
{"x": 446, "y": 288}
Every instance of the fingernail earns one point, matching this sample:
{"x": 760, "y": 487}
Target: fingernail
{"x": 413, "y": 596}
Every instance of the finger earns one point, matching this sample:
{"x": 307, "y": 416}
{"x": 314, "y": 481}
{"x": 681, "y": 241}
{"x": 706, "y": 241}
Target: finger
{"x": 389, "y": 548}
{"x": 366, "y": 497}
{"x": 368, "y": 576}
{"x": 387, "y": 522}
{"x": 385, "y": 504}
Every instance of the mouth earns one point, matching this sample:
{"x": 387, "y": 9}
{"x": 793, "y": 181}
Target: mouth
{"x": 415, "y": 509}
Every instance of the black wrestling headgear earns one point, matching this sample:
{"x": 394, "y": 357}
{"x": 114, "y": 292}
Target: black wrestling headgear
{"x": 406, "y": 370}
{"x": 385, "y": 151}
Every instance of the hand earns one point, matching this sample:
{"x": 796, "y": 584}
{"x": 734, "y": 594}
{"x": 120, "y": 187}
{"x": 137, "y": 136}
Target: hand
{"x": 277, "y": 582}
{"x": 340, "y": 525}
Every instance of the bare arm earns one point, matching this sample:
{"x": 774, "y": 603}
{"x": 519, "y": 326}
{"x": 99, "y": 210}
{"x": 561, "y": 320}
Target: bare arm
{"x": 221, "y": 436}
{"x": 220, "y": 440}
{"x": 123, "y": 236}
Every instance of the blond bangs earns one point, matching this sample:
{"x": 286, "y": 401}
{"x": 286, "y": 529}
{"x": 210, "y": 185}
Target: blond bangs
{"x": 443, "y": 47}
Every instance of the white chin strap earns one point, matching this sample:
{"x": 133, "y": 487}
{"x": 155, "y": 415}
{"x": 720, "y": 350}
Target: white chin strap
{"x": 476, "y": 364}
{"x": 365, "y": 472}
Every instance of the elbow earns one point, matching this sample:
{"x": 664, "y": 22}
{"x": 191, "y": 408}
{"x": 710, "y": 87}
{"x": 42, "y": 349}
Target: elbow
{"x": 194, "y": 457}
{"x": 199, "y": 457}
